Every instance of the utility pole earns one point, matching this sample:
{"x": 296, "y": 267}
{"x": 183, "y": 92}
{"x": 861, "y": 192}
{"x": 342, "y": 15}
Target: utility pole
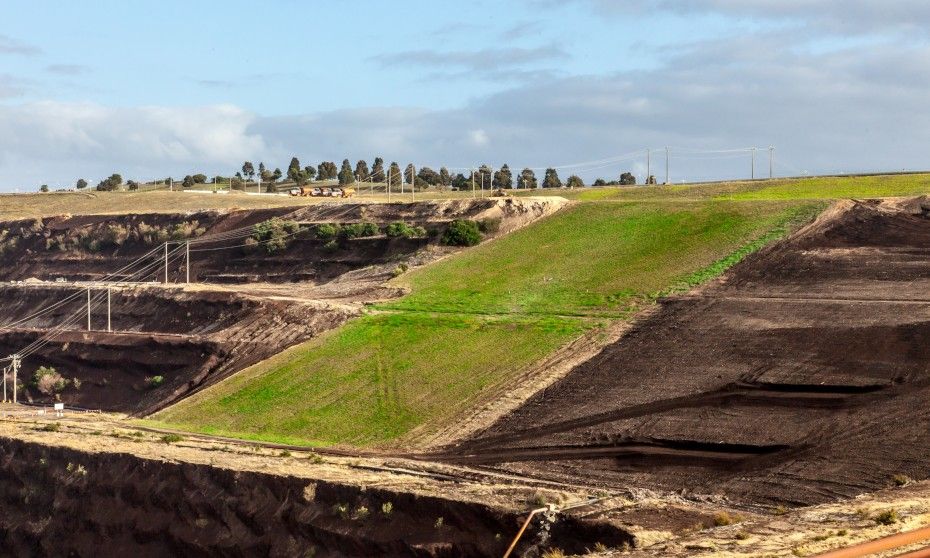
{"x": 166, "y": 263}
{"x": 5, "y": 370}
{"x": 648, "y": 165}
{"x": 389, "y": 184}
{"x": 473, "y": 182}
{"x": 15, "y": 374}
{"x": 413, "y": 183}
{"x": 491, "y": 182}
{"x": 109, "y": 321}
{"x": 88, "y": 308}
{"x": 666, "y": 164}
{"x": 752, "y": 172}
{"x": 771, "y": 161}
{"x": 187, "y": 262}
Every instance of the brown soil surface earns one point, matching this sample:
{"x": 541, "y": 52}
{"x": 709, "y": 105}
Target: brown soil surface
{"x": 85, "y": 484}
{"x": 801, "y": 377}
{"x": 242, "y": 306}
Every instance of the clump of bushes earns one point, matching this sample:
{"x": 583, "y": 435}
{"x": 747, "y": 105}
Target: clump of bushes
{"x": 185, "y": 230}
{"x": 153, "y": 382}
{"x": 273, "y": 235}
{"x": 462, "y": 232}
{"x": 342, "y": 510}
{"x": 151, "y": 234}
{"x": 490, "y": 225}
{"x": 327, "y": 231}
{"x": 171, "y": 438}
{"x": 114, "y": 235}
{"x": 901, "y": 480}
{"x": 359, "y": 230}
{"x": 48, "y": 381}
{"x": 724, "y": 518}
{"x": 399, "y": 229}
{"x": 7, "y": 243}
{"x": 887, "y": 517}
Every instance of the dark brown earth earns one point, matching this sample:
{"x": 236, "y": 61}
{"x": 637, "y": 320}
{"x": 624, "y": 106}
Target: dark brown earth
{"x": 189, "y": 338}
{"x": 801, "y": 377}
{"x": 59, "y": 501}
{"x": 243, "y": 305}
{"x": 60, "y": 246}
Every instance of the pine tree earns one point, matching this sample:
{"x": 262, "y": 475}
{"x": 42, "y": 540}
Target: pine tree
{"x": 444, "y": 178}
{"x": 295, "y": 173}
{"x": 361, "y": 170}
{"x": 410, "y": 174}
{"x": 503, "y": 178}
{"x": 575, "y": 181}
{"x": 551, "y": 179}
{"x": 327, "y": 170}
{"x": 394, "y": 175}
{"x": 528, "y": 179}
{"x": 377, "y": 170}
{"x": 346, "y": 176}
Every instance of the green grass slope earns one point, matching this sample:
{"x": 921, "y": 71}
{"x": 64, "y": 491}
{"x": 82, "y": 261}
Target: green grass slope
{"x": 475, "y": 320}
{"x": 816, "y": 188}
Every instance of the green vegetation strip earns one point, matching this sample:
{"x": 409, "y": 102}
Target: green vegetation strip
{"x": 372, "y": 380}
{"x": 476, "y": 320}
{"x": 815, "y": 188}
{"x": 595, "y": 259}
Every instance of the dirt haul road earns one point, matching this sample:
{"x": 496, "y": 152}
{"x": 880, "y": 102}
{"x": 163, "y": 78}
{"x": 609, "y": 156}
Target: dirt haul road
{"x": 801, "y": 377}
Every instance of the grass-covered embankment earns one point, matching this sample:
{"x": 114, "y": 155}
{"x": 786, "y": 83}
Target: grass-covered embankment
{"x": 475, "y": 320}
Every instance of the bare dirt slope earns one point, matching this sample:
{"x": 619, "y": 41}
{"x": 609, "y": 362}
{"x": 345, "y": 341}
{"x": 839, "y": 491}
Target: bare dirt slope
{"x": 243, "y": 304}
{"x": 78, "y": 484}
{"x": 801, "y": 377}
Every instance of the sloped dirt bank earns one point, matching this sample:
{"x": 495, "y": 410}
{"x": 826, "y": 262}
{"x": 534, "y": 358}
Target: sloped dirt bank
{"x": 90, "y": 246}
{"x": 58, "y": 501}
{"x": 796, "y": 379}
{"x": 184, "y": 339}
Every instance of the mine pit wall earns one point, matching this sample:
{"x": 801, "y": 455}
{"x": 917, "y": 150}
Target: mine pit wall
{"x": 58, "y": 246}
{"x": 138, "y": 309}
{"x": 59, "y": 501}
{"x": 190, "y": 339}
{"x": 114, "y": 370}
{"x": 91, "y": 246}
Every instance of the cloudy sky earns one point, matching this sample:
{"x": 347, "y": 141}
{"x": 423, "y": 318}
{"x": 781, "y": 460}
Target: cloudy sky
{"x": 177, "y": 87}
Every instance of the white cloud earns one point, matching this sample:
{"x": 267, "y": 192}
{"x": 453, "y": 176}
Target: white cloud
{"x": 848, "y": 16}
{"x": 862, "y": 107}
{"x": 479, "y": 138}
{"x": 9, "y": 45}
{"x": 62, "y": 141}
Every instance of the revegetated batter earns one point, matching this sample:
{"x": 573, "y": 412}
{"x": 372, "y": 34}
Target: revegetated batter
{"x": 800, "y": 377}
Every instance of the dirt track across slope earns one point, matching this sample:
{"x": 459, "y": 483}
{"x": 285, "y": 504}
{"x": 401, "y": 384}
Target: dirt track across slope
{"x": 801, "y": 377}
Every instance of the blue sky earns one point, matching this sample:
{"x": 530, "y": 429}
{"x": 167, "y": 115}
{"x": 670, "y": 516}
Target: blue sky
{"x": 294, "y": 57}
{"x": 170, "y": 88}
